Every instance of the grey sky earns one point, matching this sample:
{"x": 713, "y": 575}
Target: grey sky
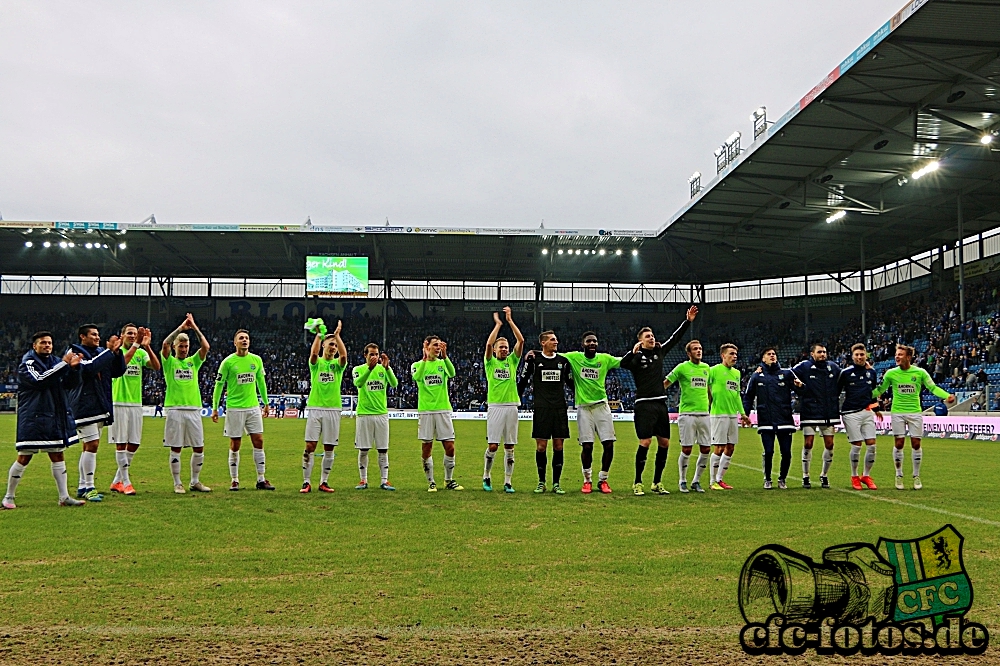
{"x": 481, "y": 114}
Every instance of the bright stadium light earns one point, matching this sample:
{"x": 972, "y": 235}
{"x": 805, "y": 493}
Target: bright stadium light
{"x": 839, "y": 215}
{"x": 545, "y": 250}
{"x": 63, "y": 244}
{"x": 72, "y": 244}
{"x": 986, "y": 140}
{"x": 578, "y": 252}
{"x": 635, "y": 253}
{"x": 930, "y": 167}
{"x": 47, "y": 244}
{"x": 28, "y": 243}
{"x": 586, "y": 251}
{"x": 121, "y": 246}
{"x": 618, "y": 252}
{"x": 694, "y": 183}
{"x": 601, "y": 252}
{"x": 560, "y": 251}
{"x": 105, "y": 246}
{"x": 89, "y": 246}
{"x": 760, "y": 123}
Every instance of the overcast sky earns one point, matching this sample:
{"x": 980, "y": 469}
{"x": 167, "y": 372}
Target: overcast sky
{"x": 588, "y": 115}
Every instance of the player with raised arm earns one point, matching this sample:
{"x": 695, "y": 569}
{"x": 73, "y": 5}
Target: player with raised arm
{"x": 819, "y": 408}
{"x": 182, "y": 427}
{"x": 502, "y": 399}
{"x": 593, "y": 414}
{"x": 548, "y": 372}
{"x": 431, "y": 374}
{"x": 724, "y": 413}
{"x": 652, "y": 417}
{"x": 326, "y": 373}
{"x": 126, "y": 392}
{"x": 241, "y": 374}
{"x": 372, "y": 379}
{"x": 858, "y": 382}
{"x": 693, "y": 418}
{"x": 906, "y": 381}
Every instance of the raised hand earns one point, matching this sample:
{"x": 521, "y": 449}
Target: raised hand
{"x": 530, "y": 355}
{"x": 426, "y": 350}
{"x": 384, "y": 359}
{"x": 72, "y": 358}
{"x": 114, "y": 343}
{"x": 340, "y": 324}
{"x": 444, "y": 349}
{"x": 145, "y": 337}
{"x": 635, "y": 349}
{"x": 506, "y": 312}
{"x": 496, "y": 319}
{"x": 692, "y": 312}
{"x": 372, "y": 361}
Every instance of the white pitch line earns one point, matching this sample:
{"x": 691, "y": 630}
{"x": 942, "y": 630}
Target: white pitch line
{"x": 866, "y": 495}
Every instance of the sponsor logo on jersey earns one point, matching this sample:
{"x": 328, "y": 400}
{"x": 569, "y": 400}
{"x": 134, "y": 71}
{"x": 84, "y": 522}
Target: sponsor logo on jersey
{"x": 906, "y": 389}
{"x": 375, "y": 385}
{"x": 245, "y": 378}
{"x": 732, "y": 385}
{"x": 183, "y": 374}
{"x": 551, "y": 376}
{"x": 501, "y": 374}
{"x": 133, "y": 370}
{"x": 699, "y": 382}
{"x": 433, "y": 380}
{"x": 590, "y": 373}
{"x": 327, "y": 377}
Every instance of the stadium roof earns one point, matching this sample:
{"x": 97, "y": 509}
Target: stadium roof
{"x": 922, "y": 89}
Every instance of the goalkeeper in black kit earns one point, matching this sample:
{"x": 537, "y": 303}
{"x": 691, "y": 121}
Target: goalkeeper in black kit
{"x": 652, "y": 417}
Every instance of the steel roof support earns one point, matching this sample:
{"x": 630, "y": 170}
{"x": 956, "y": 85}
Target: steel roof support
{"x": 961, "y": 261}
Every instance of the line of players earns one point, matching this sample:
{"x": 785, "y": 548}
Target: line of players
{"x": 66, "y": 400}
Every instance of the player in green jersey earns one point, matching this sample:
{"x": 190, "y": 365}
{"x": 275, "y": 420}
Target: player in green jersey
{"x": 502, "y": 398}
{"x": 372, "y": 379}
{"x": 126, "y": 393}
{"x": 434, "y": 409}
{"x": 693, "y": 419}
{"x": 726, "y": 409}
{"x": 324, "y": 404}
{"x": 593, "y": 414}
{"x": 906, "y": 382}
{"x": 241, "y": 374}
{"x": 182, "y": 427}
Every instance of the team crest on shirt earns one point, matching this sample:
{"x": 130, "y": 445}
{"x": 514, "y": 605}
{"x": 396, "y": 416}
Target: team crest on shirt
{"x": 253, "y": 367}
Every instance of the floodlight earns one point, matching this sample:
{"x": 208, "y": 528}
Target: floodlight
{"x": 760, "y": 123}
{"x": 90, "y": 246}
{"x": 930, "y": 167}
{"x": 618, "y": 252}
{"x": 105, "y": 246}
{"x": 635, "y": 253}
{"x": 47, "y": 244}
{"x": 578, "y": 252}
{"x": 560, "y": 251}
{"x": 63, "y": 244}
{"x": 601, "y": 252}
{"x": 839, "y": 215}
{"x": 694, "y": 183}
{"x": 986, "y": 140}
{"x": 121, "y": 246}
{"x": 72, "y": 244}
{"x": 27, "y": 243}
{"x": 545, "y": 250}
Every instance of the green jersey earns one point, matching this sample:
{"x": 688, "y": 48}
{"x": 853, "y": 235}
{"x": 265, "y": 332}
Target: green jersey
{"x": 181, "y": 377}
{"x": 693, "y": 380}
{"x": 432, "y": 384}
{"x": 324, "y": 383}
{"x": 589, "y": 375}
{"x": 372, "y": 384}
{"x": 724, "y": 383}
{"x": 501, "y": 380}
{"x": 906, "y": 385}
{"x": 127, "y": 389}
{"x": 243, "y": 379}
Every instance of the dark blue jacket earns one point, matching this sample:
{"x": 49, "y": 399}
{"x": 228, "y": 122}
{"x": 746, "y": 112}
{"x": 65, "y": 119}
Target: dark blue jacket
{"x": 858, "y": 383}
{"x": 91, "y": 398}
{"x": 772, "y": 389}
{"x": 819, "y": 399}
{"x": 44, "y": 418}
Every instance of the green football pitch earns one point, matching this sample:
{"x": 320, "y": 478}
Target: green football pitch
{"x": 452, "y": 577}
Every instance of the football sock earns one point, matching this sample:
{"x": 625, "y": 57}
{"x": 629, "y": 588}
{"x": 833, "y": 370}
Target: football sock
{"x": 917, "y": 455}
{"x": 588, "y": 474}
{"x": 640, "y": 462}
{"x": 855, "y": 458}
{"x": 607, "y": 456}
{"x": 121, "y": 457}
{"x": 14, "y": 478}
{"x": 129, "y": 455}
{"x": 449, "y": 468}
{"x": 713, "y": 470}
{"x": 88, "y": 463}
{"x": 429, "y": 469}
{"x": 724, "y": 461}
{"x": 363, "y": 464}
{"x": 83, "y": 474}
{"x": 326, "y": 466}
{"x": 701, "y": 466}
{"x": 59, "y": 474}
{"x": 897, "y": 459}
{"x": 508, "y": 460}
{"x": 807, "y": 456}
{"x": 175, "y": 467}
{"x": 869, "y": 459}
{"x": 541, "y": 462}
{"x": 827, "y": 461}
{"x": 118, "y": 472}
{"x": 383, "y": 464}
{"x": 197, "y": 461}
{"x": 587, "y": 459}
{"x": 682, "y": 466}
{"x": 557, "y": 465}
{"x": 308, "y": 460}
{"x": 258, "y": 461}
{"x": 488, "y": 462}
{"x": 659, "y": 463}
{"x": 602, "y": 476}
{"x": 234, "y": 465}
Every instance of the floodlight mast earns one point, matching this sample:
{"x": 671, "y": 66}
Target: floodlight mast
{"x": 694, "y": 182}
{"x": 760, "y": 123}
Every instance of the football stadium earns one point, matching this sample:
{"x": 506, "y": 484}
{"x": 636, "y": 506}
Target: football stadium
{"x": 810, "y": 346}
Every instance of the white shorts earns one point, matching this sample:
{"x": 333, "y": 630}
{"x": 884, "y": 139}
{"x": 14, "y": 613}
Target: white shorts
{"x": 822, "y": 430}
{"x": 595, "y": 421}
{"x": 127, "y": 428}
{"x": 89, "y": 432}
{"x": 323, "y": 424}
{"x": 371, "y": 431}
{"x": 243, "y": 421}
{"x": 860, "y": 426}
{"x": 183, "y": 428}
{"x": 695, "y": 429}
{"x": 501, "y": 425}
{"x": 435, "y": 425}
{"x": 912, "y": 422}
{"x": 725, "y": 429}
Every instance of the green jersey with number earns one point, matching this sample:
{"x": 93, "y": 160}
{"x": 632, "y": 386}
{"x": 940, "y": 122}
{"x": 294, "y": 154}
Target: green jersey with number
{"x": 501, "y": 380}
{"x": 906, "y": 385}
{"x": 724, "y": 383}
{"x": 432, "y": 384}
{"x": 589, "y": 375}
{"x": 372, "y": 384}
{"x": 324, "y": 383}
{"x": 693, "y": 380}
{"x": 243, "y": 379}
{"x": 181, "y": 377}
{"x": 127, "y": 389}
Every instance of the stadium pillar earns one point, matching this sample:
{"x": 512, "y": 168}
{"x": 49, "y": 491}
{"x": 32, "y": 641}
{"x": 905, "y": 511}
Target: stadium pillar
{"x": 961, "y": 262}
{"x": 386, "y": 288}
{"x": 806, "y": 303}
{"x": 864, "y": 328}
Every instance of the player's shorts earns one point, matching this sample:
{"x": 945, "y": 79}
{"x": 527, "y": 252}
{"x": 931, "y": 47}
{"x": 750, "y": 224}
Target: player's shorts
{"x": 695, "y": 429}
{"x": 371, "y": 431}
{"x": 127, "y": 428}
{"x": 89, "y": 432}
{"x": 652, "y": 419}
{"x": 819, "y": 429}
{"x": 912, "y": 422}
{"x": 183, "y": 428}
{"x": 725, "y": 429}
{"x": 595, "y": 421}
{"x": 435, "y": 425}
{"x": 860, "y": 426}
{"x": 323, "y": 424}
{"x": 550, "y": 423}
{"x": 243, "y": 421}
{"x": 501, "y": 424}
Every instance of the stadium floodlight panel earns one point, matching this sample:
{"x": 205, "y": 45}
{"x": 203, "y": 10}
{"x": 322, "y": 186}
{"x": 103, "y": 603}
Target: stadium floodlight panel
{"x": 28, "y": 243}
{"x": 986, "y": 140}
{"x": 560, "y": 251}
{"x": 930, "y": 167}
{"x": 63, "y": 244}
{"x": 696, "y": 175}
{"x": 733, "y": 138}
{"x": 635, "y": 253}
{"x": 719, "y": 151}
{"x": 545, "y": 250}
{"x": 46, "y": 244}
{"x": 121, "y": 246}
{"x": 759, "y": 113}
{"x": 839, "y": 215}
{"x": 618, "y": 252}
{"x": 602, "y": 252}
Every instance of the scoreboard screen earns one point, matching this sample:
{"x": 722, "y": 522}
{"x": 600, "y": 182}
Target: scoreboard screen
{"x": 336, "y": 276}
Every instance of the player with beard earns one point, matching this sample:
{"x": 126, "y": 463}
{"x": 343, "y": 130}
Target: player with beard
{"x": 548, "y": 372}
{"x": 819, "y": 409}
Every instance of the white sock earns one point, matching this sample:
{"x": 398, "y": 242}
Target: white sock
{"x": 197, "y": 461}
{"x": 121, "y": 457}
{"x": 897, "y": 459}
{"x": 827, "y": 461}
{"x": 326, "y": 466}
{"x": 713, "y": 470}
{"x": 917, "y": 455}
{"x": 129, "y": 455}
{"x": 869, "y": 459}
{"x": 429, "y": 469}
{"x": 14, "y": 478}
{"x": 855, "y": 458}
{"x": 449, "y": 468}
{"x": 602, "y": 476}
{"x": 88, "y": 464}
{"x": 308, "y": 460}
{"x": 383, "y": 464}
{"x": 724, "y": 461}
{"x": 363, "y": 464}
{"x": 682, "y": 466}
{"x": 488, "y": 462}
{"x": 62, "y": 483}
{"x": 175, "y": 467}
{"x": 588, "y": 475}
{"x": 258, "y": 461}
{"x": 508, "y": 460}
{"x": 234, "y": 465}
{"x": 807, "y": 456}
{"x": 700, "y": 467}
{"x": 83, "y": 474}
{"x": 118, "y": 472}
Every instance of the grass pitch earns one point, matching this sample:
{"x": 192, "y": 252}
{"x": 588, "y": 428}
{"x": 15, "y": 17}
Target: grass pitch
{"x": 407, "y": 574}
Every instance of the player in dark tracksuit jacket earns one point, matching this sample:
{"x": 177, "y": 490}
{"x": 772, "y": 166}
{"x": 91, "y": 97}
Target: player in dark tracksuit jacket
{"x": 819, "y": 408}
{"x": 771, "y": 386}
